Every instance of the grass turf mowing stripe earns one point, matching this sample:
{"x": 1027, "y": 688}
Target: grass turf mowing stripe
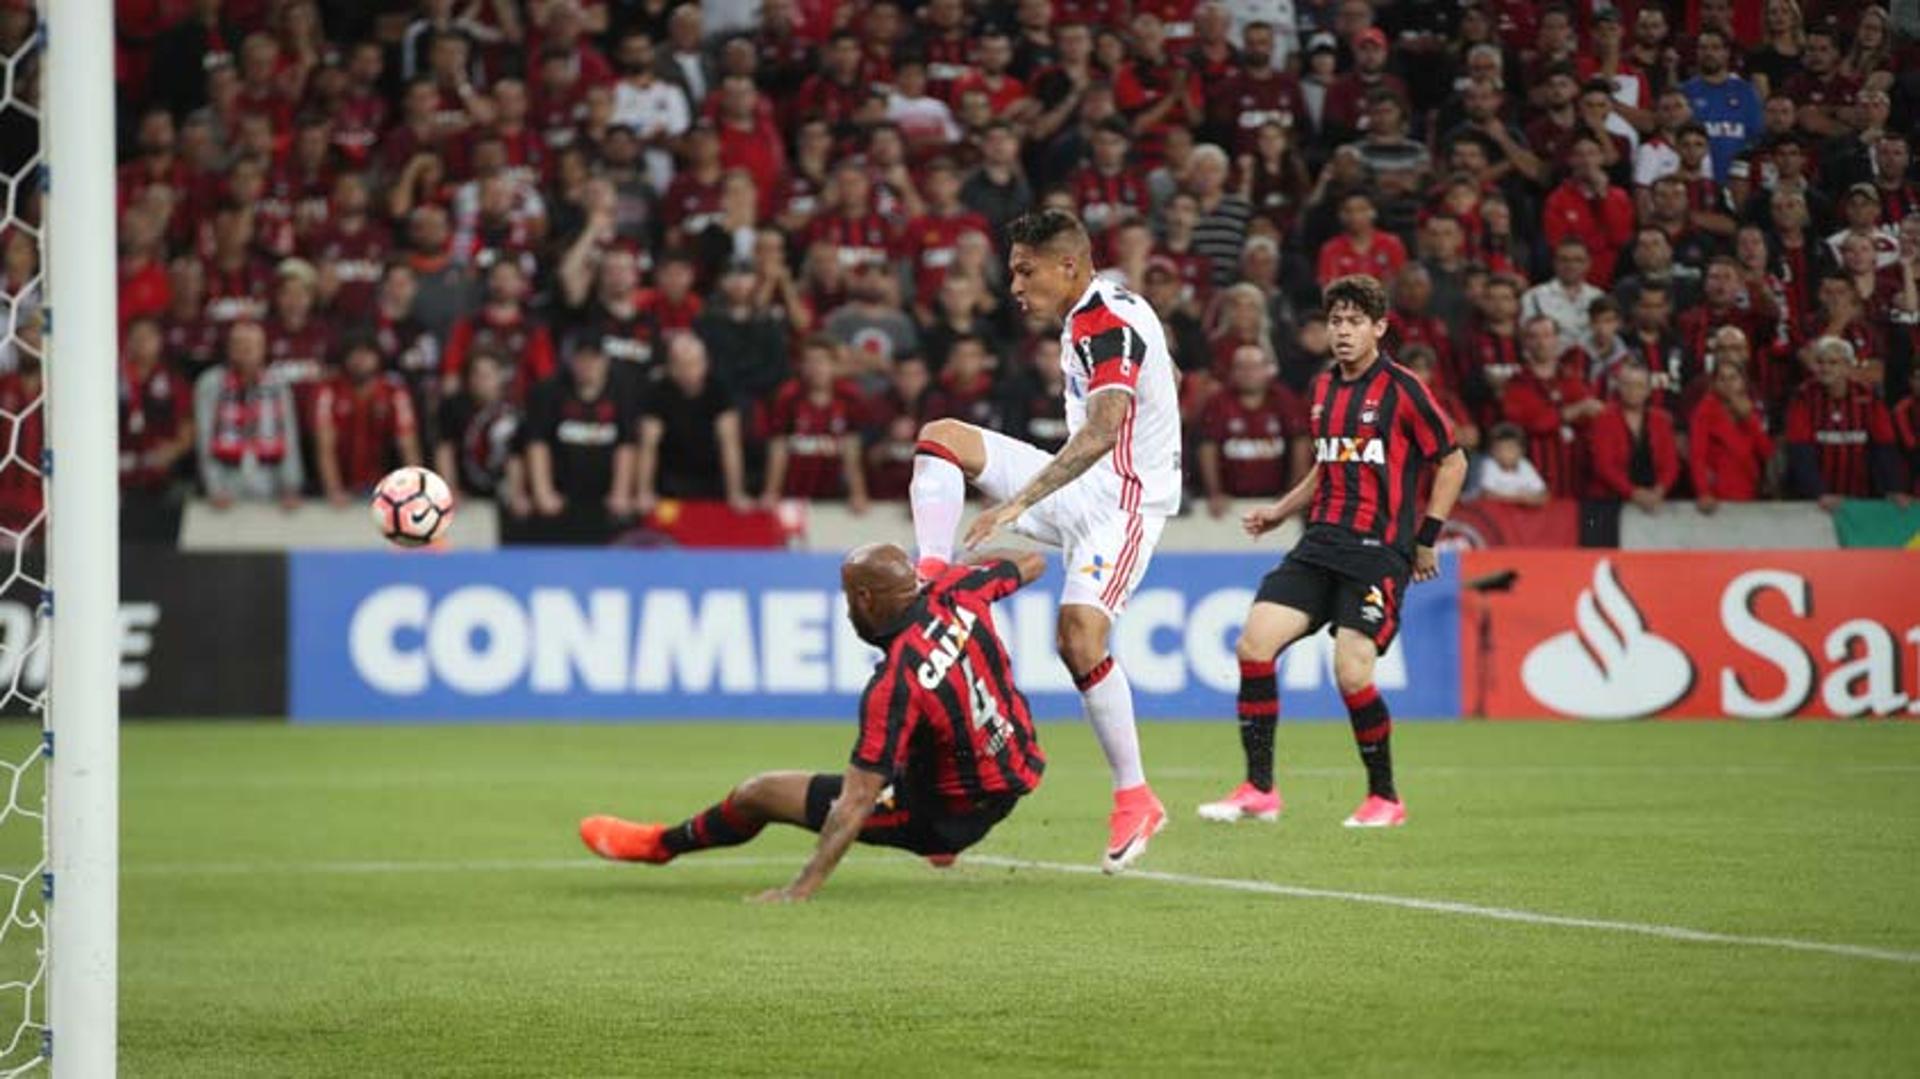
{"x": 1258, "y": 887}
{"x": 1472, "y": 910}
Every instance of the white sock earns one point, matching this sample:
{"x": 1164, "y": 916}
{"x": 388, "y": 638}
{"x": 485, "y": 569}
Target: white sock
{"x": 939, "y": 495}
{"x": 1109, "y": 704}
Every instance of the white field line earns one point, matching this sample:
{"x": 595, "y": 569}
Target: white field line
{"x": 1226, "y": 884}
{"x": 1470, "y": 910}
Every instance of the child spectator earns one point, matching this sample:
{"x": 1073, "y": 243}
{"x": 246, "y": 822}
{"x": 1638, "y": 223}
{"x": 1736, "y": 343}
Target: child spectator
{"x": 1505, "y": 474}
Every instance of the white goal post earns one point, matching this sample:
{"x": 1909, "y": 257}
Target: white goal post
{"x": 83, "y": 823}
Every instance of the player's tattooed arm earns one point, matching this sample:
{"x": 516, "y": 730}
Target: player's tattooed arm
{"x": 1106, "y": 412}
{"x": 859, "y": 791}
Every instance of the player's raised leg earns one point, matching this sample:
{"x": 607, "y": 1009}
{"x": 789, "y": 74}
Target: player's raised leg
{"x": 1354, "y": 655}
{"x": 1269, "y": 629}
{"x": 949, "y": 454}
{"x": 768, "y": 798}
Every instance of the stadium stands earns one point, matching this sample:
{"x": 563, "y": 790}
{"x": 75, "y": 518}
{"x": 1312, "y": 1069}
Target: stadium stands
{"x": 497, "y": 199}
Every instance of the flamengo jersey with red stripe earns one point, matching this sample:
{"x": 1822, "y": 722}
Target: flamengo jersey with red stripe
{"x": 942, "y": 707}
{"x": 1371, "y": 437}
{"x": 1113, "y": 341}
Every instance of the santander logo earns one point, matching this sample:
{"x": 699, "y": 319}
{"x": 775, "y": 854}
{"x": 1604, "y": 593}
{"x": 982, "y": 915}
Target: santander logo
{"x": 1609, "y": 666}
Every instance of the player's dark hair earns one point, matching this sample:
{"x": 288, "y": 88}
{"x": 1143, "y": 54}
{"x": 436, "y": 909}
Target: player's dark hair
{"x": 1362, "y": 292}
{"x": 1043, "y": 228}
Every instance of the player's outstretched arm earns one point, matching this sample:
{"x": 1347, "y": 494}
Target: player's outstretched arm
{"x": 1031, "y": 564}
{"x": 858, "y": 793}
{"x": 1106, "y": 413}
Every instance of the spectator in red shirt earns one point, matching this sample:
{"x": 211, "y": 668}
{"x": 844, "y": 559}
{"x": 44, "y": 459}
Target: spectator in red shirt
{"x": 932, "y": 240}
{"x": 1822, "y": 90}
{"x": 236, "y": 279}
{"x": 1727, "y": 443}
{"x": 1107, "y": 189}
{"x": 1253, "y": 437}
{"x": 1155, "y": 90}
{"x": 748, "y": 139}
{"x": 813, "y": 427}
{"x": 1556, "y": 409}
{"x": 504, "y": 326}
{"x": 364, "y": 425}
{"x": 1635, "y": 455}
{"x": 350, "y": 250}
{"x": 156, "y": 432}
{"x": 837, "y": 91}
{"x": 1360, "y": 248}
{"x": 1346, "y": 99}
{"x": 299, "y": 342}
{"x": 1005, "y": 94}
{"x": 1840, "y": 440}
{"x": 1255, "y": 95}
{"x": 1587, "y": 206}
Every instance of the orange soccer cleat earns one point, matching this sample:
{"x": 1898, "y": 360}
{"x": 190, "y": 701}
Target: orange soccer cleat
{"x": 625, "y": 841}
{"x": 1137, "y": 816}
{"x": 929, "y": 569}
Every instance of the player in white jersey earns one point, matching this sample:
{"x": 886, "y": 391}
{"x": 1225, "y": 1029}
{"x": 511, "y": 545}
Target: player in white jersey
{"x": 1102, "y": 499}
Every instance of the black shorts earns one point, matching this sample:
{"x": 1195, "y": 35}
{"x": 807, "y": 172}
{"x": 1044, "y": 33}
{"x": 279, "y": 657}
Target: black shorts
{"x": 912, "y": 818}
{"x": 1363, "y": 595}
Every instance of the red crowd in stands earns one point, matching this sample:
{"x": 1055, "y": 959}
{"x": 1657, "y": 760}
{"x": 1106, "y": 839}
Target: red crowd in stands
{"x": 584, "y": 256}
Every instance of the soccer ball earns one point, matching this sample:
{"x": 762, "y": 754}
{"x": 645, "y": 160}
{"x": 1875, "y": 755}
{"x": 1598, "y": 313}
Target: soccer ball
{"x": 412, "y": 506}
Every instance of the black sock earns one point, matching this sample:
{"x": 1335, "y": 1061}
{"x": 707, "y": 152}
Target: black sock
{"x": 720, "y": 826}
{"x": 1367, "y": 711}
{"x": 1259, "y": 711}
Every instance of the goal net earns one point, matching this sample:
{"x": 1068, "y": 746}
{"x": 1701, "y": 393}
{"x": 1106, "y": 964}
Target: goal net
{"x": 24, "y": 652}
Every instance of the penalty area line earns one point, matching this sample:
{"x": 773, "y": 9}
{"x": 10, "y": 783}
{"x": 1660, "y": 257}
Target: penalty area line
{"x": 1470, "y": 910}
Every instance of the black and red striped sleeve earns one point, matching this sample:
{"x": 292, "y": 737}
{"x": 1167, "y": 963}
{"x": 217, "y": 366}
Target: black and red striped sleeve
{"x": 1109, "y": 349}
{"x": 886, "y": 718}
{"x": 1425, "y": 422}
{"x": 989, "y": 581}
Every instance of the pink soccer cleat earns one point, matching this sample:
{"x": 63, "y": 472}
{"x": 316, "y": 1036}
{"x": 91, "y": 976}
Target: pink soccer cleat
{"x": 1136, "y": 816}
{"x": 929, "y": 569}
{"x": 1247, "y": 802}
{"x": 1378, "y": 812}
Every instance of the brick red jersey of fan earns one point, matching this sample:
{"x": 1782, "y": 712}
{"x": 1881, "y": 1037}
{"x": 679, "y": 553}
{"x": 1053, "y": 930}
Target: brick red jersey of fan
{"x": 942, "y": 707}
{"x": 1371, "y": 437}
{"x": 1113, "y": 340}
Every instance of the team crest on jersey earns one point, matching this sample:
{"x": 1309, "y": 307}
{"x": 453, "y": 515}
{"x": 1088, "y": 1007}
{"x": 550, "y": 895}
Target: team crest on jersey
{"x": 1369, "y": 411}
{"x": 1367, "y": 451}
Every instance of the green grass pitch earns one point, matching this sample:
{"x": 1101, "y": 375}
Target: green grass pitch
{"x": 381, "y": 901}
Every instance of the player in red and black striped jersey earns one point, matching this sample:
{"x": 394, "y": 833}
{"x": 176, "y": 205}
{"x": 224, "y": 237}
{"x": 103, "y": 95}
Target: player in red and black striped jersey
{"x": 1375, "y": 429}
{"x": 946, "y": 747}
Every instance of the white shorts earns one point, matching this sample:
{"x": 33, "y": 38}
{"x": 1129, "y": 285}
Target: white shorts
{"x": 1104, "y": 549}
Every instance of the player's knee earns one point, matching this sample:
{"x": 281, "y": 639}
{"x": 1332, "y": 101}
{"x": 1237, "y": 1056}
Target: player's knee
{"x": 946, "y": 432}
{"x": 1252, "y": 649}
{"x": 1082, "y": 641}
{"x": 1352, "y": 670}
{"x": 752, "y": 792}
